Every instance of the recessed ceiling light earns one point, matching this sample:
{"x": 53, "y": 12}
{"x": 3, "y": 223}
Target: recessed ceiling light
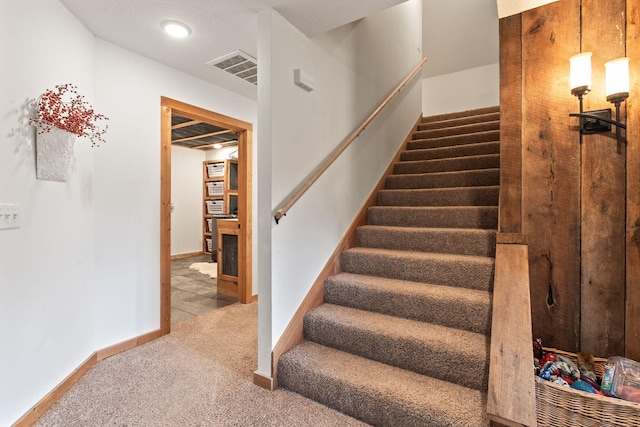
{"x": 176, "y": 29}
{"x": 217, "y": 146}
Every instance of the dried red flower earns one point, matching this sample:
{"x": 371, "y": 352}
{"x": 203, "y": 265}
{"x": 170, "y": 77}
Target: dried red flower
{"x": 66, "y": 109}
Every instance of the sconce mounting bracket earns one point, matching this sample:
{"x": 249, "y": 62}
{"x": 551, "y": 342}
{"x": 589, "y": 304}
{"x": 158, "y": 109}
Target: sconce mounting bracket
{"x": 596, "y": 121}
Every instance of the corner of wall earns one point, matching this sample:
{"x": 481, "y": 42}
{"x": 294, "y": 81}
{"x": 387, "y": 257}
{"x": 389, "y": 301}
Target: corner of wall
{"x": 463, "y": 90}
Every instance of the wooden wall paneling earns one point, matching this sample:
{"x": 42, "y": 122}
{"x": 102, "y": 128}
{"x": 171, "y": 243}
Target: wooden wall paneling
{"x": 603, "y": 193}
{"x": 632, "y": 324}
{"x": 510, "y": 220}
{"x": 551, "y": 171}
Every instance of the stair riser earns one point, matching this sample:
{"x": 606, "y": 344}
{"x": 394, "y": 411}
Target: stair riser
{"x": 425, "y": 240}
{"x": 447, "y": 152}
{"x": 473, "y": 316}
{"x": 471, "y": 275}
{"x": 481, "y": 217}
{"x": 456, "y": 130}
{"x": 461, "y": 114}
{"x": 465, "y": 196}
{"x": 447, "y": 165}
{"x": 450, "y": 141}
{"x": 434, "y": 360}
{"x": 481, "y": 118}
{"x": 442, "y": 180}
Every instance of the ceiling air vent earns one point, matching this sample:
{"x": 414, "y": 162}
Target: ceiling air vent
{"x": 239, "y": 64}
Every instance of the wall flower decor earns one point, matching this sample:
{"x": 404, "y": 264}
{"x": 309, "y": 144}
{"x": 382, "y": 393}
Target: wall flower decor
{"x": 61, "y": 115}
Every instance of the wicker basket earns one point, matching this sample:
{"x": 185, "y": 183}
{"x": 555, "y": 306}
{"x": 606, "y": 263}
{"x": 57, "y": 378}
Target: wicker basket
{"x": 557, "y": 405}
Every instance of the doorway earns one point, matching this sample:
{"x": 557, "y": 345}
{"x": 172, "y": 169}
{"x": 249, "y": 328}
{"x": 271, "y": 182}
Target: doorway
{"x": 243, "y": 130}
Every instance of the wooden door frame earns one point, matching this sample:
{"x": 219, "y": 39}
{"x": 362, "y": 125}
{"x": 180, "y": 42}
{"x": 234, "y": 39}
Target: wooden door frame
{"x": 244, "y": 130}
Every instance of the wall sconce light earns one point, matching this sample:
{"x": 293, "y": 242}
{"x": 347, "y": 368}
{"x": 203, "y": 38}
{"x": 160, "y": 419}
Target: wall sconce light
{"x": 617, "y": 90}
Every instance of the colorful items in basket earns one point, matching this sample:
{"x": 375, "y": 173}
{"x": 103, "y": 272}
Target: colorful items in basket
{"x": 621, "y": 376}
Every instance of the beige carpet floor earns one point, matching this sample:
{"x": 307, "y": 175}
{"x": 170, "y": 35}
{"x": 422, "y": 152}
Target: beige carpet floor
{"x": 199, "y": 375}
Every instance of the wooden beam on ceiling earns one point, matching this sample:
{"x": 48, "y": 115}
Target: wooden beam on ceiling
{"x": 220, "y": 132}
{"x": 185, "y": 124}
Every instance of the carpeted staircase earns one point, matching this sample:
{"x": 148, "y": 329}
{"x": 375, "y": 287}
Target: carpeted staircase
{"x": 403, "y": 336}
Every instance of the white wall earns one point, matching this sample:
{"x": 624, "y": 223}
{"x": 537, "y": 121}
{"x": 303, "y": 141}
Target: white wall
{"x": 186, "y": 200}
{"x": 82, "y": 273}
{"x": 220, "y": 154}
{"x": 465, "y": 90}
{"x": 355, "y": 67}
{"x": 512, "y": 7}
{"x": 46, "y": 266}
{"x": 127, "y": 185}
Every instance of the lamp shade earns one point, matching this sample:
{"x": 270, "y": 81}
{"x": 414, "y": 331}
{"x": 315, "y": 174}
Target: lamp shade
{"x": 580, "y": 73}
{"x": 617, "y": 79}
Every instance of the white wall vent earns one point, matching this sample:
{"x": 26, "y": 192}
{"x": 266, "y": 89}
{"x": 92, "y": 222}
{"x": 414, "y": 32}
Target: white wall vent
{"x": 239, "y": 64}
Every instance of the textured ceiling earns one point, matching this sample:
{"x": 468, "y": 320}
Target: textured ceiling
{"x": 218, "y": 27}
{"x": 457, "y": 34}
{"x": 313, "y": 17}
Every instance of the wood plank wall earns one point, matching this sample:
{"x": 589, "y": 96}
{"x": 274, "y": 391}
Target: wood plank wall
{"x": 577, "y": 199}
{"x": 511, "y": 125}
{"x": 551, "y": 171}
{"x": 603, "y": 192}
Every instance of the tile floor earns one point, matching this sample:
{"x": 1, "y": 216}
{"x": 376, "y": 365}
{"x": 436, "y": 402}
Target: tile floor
{"x": 193, "y": 293}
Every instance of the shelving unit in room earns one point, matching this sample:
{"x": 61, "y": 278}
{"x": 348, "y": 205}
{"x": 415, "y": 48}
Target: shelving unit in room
{"x": 220, "y": 196}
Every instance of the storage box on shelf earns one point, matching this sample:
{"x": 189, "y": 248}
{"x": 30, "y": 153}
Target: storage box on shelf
{"x": 215, "y": 169}
{"x": 220, "y": 195}
{"x": 215, "y": 207}
{"x": 215, "y": 188}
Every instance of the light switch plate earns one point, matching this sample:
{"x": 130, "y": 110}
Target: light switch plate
{"x": 10, "y": 216}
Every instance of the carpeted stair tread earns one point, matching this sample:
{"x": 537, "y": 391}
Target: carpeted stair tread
{"x": 461, "y": 121}
{"x": 448, "y": 141}
{"x": 440, "y": 240}
{"x": 484, "y": 161}
{"x": 449, "y": 354}
{"x": 492, "y": 147}
{"x": 453, "y": 196}
{"x": 466, "y": 271}
{"x": 457, "y": 130}
{"x": 461, "y": 114}
{"x": 460, "y": 308}
{"x": 485, "y": 217}
{"x": 377, "y": 393}
{"x": 465, "y": 178}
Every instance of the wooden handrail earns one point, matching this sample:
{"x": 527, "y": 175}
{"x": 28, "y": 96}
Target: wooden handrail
{"x": 293, "y": 199}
